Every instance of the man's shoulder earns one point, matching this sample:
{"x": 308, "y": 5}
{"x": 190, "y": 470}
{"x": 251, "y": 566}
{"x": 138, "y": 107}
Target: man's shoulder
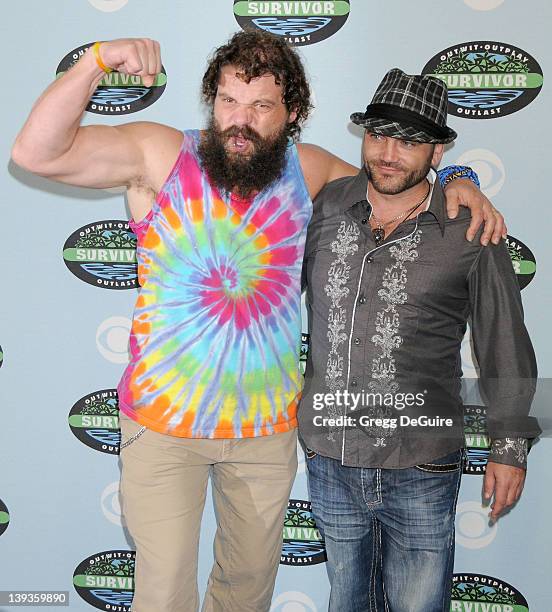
{"x": 344, "y": 188}
{"x": 158, "y": 143}
{"x": 454, "y": 235}
{"x": 339, "y": 195}
{"x": 338, "y": 185}
{"x": 160, "y": 146}
{"x": 460, "y": 224}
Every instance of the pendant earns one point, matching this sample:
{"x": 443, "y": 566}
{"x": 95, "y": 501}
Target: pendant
{"x": 379, "y": 235}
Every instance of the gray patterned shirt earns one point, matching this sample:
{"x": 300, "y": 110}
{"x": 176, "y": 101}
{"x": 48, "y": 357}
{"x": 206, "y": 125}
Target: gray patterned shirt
{"x": 382, "y": 381}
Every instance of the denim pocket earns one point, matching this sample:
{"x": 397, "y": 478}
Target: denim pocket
{"x": 310, "y": 454}
{"x": 449, "y": 463}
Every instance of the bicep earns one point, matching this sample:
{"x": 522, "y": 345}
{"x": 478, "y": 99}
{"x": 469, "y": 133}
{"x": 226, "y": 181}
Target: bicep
{"x": 101, "y": 156}
{"x": 499, "y": 332}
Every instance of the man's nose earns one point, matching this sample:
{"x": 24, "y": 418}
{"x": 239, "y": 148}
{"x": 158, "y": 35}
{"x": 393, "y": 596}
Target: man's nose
{"x": 242, "y": 115}
{"x": 390, "y": 152}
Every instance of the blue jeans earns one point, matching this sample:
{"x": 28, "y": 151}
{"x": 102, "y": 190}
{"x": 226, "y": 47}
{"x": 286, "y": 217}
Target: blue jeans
{"x": 389, "y": 533}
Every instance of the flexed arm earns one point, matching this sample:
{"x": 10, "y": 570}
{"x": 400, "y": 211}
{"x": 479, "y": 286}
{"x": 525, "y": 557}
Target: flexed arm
{"x": 53, "y": 144}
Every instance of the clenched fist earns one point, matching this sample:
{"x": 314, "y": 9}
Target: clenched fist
{"x": 135, "y": 56}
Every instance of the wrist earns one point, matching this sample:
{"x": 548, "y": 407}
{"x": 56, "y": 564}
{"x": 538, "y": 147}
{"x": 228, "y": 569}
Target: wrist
{"x": 451, "y": 173}
{"x": 89, "y": 70}
{"x": 96, "y": 51}
{"x": 89, "y": 63}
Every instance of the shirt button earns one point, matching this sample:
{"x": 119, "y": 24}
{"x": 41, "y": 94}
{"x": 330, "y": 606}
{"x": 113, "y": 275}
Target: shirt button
{"x": 364, "y": 221}
{"x": 354, "y": 383}
{"x": 362, "y": 300}
{"x": 369, "y": 260}
{"x": 356, "y": 341}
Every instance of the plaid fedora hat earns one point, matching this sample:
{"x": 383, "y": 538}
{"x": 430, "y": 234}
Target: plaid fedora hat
{"x": 409, "y": 107}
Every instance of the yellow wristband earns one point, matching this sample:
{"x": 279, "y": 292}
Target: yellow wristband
{"x": 96, "y": 50}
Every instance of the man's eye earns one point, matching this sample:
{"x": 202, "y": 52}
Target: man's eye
{"x": 408, "y": 144}
{"x": 264, "y": 108}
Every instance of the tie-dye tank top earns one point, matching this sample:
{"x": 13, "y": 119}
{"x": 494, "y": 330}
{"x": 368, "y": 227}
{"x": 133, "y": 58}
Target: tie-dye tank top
{"x": 216, "y": 332}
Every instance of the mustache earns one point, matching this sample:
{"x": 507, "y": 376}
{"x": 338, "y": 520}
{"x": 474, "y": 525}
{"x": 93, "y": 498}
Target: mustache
{"x": 244, "y": 131}
{"x": 395, "y": 165}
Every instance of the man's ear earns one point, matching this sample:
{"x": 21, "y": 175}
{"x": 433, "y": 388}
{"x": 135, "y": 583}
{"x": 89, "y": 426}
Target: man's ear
{"x": 437, "y": 155}
{"x": 292, "y": 116}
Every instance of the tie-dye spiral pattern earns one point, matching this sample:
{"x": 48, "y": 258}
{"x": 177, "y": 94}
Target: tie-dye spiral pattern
{"x": 216, "y": 333}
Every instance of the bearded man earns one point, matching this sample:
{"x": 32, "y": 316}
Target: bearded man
{"x": 391, "y": 283}
{"x": 213, "y": 381}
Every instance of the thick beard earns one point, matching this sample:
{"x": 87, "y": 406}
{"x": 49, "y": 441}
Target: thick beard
{"x": 391, "y": 185}
{"x": 242, "y": 174}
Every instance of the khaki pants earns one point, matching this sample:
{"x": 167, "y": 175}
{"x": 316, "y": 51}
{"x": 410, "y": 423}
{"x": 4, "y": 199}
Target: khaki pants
{"x": 163, "y": 487}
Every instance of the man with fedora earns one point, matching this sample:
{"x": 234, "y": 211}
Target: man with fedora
{"x": 391, "y": 283}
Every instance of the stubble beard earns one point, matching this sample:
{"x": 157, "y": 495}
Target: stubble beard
{"x": 393, "y": 185}
{"x": 242, "y": 174}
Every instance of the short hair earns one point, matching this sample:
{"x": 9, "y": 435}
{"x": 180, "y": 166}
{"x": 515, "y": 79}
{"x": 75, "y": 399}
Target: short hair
{"x": 257, "y": 53}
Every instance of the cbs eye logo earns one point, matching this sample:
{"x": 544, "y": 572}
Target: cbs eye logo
{"x": 108, "y": 6}
{"x": 110, "y": 502}
{"x": 483, "y": 5}
{"x": 293, "y": 601}
{"x": 489, "y": 168}
{"x": 112, "y": 339}
{"x": 472, "y": 526}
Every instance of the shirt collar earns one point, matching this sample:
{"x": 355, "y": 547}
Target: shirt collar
{"x": 437, "y": 200}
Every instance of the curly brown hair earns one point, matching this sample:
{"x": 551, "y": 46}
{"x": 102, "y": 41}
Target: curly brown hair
{"x": 257, "y": 53}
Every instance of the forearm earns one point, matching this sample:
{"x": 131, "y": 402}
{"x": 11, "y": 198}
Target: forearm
{"x": 52, "y": 125}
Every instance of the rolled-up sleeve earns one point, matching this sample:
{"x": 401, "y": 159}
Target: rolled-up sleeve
{"x": 508, "y": 368}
